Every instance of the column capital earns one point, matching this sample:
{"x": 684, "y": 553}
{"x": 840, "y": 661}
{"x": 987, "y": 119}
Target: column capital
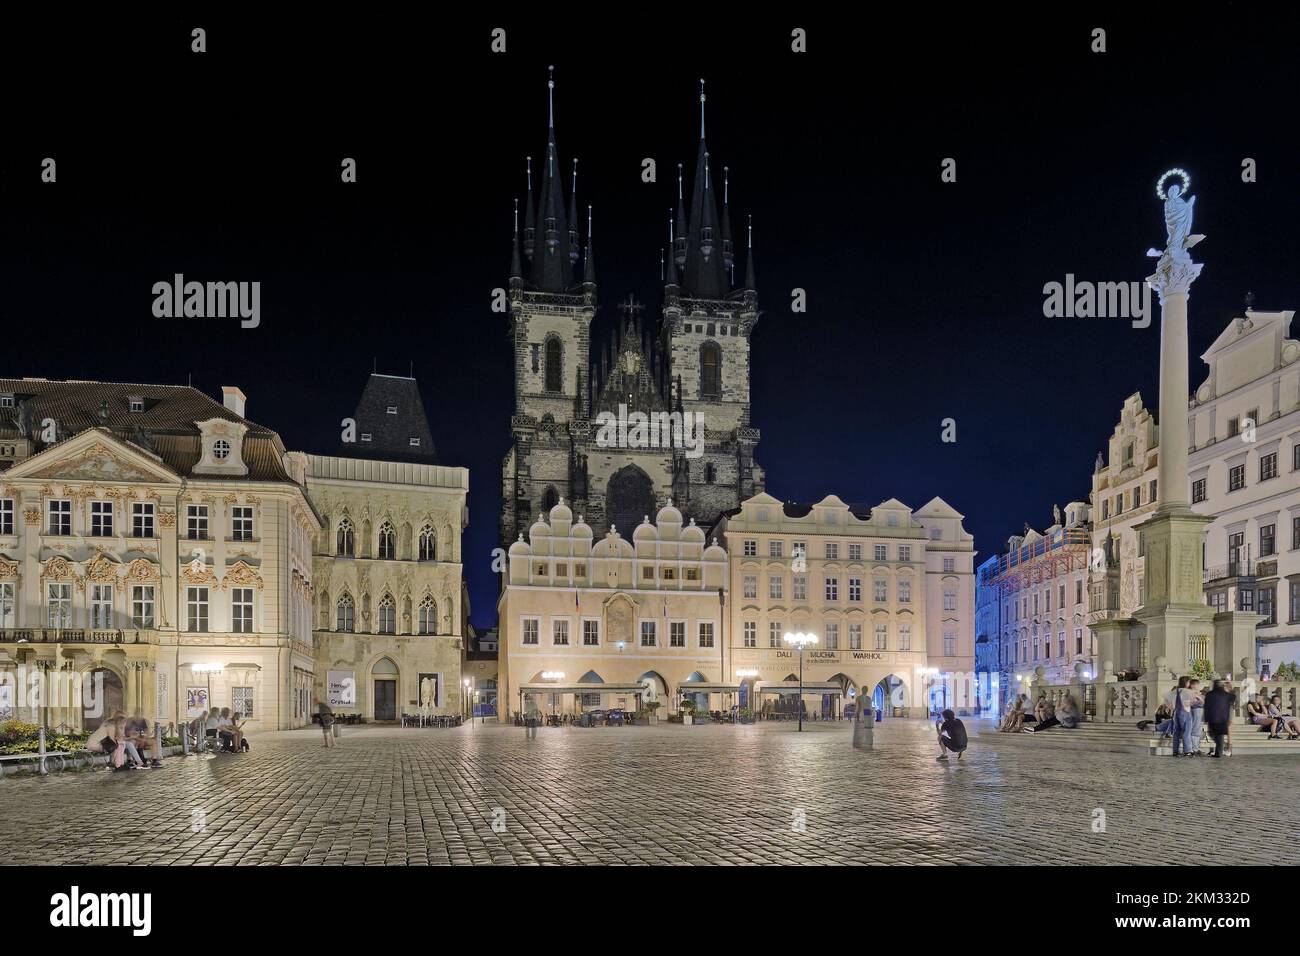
{"x": 1174, "y": 276}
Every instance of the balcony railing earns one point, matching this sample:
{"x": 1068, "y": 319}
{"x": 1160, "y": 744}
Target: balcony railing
{"x": 66, "y": 635}
{"x": 1233, "y": 569}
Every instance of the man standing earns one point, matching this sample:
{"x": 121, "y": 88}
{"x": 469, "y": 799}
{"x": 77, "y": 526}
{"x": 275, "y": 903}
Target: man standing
{"x": 952, "y": 736}
{"x": 1218, "y": 714}
{"x": 1196, "y": 719}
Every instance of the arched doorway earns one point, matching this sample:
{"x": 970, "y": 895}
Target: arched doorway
{"x": 101, "y": 699}
{"x": 591, "y": 700}
{"x": 656, "y": 688}
{"x": 384, "y": 677}
{"x": 629, "y": 497}
{"x": 889, "y": 697}
{"x": 848, "y": 698}
{"x": 700, "y": 700}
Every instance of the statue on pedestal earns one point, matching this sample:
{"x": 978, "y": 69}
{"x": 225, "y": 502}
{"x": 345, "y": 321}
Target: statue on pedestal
{"x": 1175, "y": 271}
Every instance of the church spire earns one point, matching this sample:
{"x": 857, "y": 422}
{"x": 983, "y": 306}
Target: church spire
{"x": 589, "y": 262}
{"x": 728, "y": 255}
{"x": 678, "y": 245}
{"x": 704, "y": 275}
{"x": 516, "y": 266}
{"x": 573, "y": 215}
{"x": 749, "y": 259}
{"x": 554, "y": 256}
{"x": 530, "y": 218}
{"x": 671, "y": 278}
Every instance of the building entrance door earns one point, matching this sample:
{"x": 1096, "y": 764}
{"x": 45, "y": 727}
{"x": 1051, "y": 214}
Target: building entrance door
{"x": 385, "y": 699}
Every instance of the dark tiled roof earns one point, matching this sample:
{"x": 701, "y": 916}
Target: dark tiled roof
{"x": 390, "y": 435}
{"x": 164, "y": 428}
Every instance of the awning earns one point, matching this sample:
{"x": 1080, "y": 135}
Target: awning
{"x": 792, "y": 687}
{"x": 558, "y": 688}
{"x": 707, "y": 687}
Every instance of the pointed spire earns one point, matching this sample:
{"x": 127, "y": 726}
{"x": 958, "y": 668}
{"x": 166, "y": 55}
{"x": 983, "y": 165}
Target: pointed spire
{"x": 530, "y": 219}
{"x": 749, "y": 258}
{"x": 573, "y": 215}
{"x": 589, "y": 262}
{"x": 705, "y": 274}
{"x": 671, "y": 277}
{"x": 550, "y": 97}
{"x": 679, "y": 240}
{"x": 516, "y": 266}
{"x": 701, "y": 107}
{"x": 554, "y": 256}
{"x": 728, "y": 253}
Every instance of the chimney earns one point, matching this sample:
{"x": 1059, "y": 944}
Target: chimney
{"x": 233, "y": 399}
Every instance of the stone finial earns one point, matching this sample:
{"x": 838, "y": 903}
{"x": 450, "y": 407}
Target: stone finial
{"x": 692, "y": 522}
{"x": 645, "y": 519}
{"x": 521, "y": 536}
{"x": 581, "y": 518}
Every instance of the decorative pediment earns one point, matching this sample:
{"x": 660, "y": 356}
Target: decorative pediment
{"x": 141, "y": 570}
{"x": 196, "y": 572}
{"x": 240, "y": 575}
{"x": 98, "y": 462}
{"x": 58, "y": 569}
{"x": 8, "y": 569}
{"x": 102, "y": 570}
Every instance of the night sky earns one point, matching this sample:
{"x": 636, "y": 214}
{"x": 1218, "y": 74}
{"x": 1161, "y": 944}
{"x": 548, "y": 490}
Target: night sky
{"x": 925, "y": 298}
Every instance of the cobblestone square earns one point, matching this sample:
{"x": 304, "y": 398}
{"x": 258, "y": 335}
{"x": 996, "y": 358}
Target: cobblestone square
{"x": 667, "y": 795}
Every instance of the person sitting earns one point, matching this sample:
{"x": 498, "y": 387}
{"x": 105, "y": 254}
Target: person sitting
{"x": 1285, "y": 722}
{"x": 210, "y": 725}
{"x": 225, "y": 730}
{"x": 1015, "y": 718}
{"x": 1257, "y": 713}
{"x": 952, "y": 736}
{"x": 237, "y": 728}
{"x": 137, "y": 731}
{"x": 1046, "y": 715}
{"x": 126, "y": 756}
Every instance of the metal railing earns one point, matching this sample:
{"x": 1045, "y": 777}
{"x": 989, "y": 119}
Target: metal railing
{"x": 67, "y": 635}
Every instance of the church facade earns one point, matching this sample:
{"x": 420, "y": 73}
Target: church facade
{"x": 616, "y": 425}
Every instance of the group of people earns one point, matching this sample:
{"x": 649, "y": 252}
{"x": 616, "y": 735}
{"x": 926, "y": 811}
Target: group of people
{"x": 1186, "y": 712}
{"x": 1044, "y": 716}
{"x": 222, "y": 728}
{"x": 123, "y": 739}
{"x": 1265, "y": 711}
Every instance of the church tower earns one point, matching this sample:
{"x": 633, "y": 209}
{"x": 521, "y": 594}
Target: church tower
{"x": 694, "y": 366}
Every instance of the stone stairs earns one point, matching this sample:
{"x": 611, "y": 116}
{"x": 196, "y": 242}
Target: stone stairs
{"x": 1126, "y": 738}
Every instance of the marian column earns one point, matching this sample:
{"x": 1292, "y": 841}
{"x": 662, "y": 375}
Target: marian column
{"x": 1181, "y": 629}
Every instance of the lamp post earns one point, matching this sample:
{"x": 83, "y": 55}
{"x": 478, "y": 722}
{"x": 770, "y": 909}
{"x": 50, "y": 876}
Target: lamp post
{"x": 480, "y": 713}
{"x": 468, "y": 706}
{"x": 208, "y": 670}
{"x": 800, "y": 640}
{"x": 553, "y": 676}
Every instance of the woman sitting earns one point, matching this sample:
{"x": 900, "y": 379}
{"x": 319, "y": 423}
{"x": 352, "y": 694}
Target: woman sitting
{"x": 1257, "y": 713}
{"x": 1285, "y": 722}
{"x": 1015, "y": 718}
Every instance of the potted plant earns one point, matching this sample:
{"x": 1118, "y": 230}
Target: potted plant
{"x": 745, "y": 715}
{"x": 688, "y": 712}
{"x": 1203, "y": 671}
{"x": 651, "y": 718}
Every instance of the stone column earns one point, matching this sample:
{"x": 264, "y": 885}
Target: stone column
{"x": 1172, "y": 474}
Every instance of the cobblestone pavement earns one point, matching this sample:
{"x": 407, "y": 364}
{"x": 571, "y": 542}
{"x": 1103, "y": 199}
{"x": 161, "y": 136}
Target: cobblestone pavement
{"x": 670, "y": 794}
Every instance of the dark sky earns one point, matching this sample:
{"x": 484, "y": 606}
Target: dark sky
{"x": 925, "y": 298}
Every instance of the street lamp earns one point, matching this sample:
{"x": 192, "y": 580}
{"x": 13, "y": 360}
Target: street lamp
{"x": 468, "y": 705}
{"x": 800, "y": 640}
{"x": 745, "y": 673}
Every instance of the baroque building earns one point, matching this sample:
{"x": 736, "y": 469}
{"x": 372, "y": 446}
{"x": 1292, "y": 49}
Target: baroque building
{"x": 681, "y": 383}
{"x": 155, "y": 554}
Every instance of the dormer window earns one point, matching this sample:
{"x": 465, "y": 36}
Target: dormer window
{"x": 135, "y": 403}
{"x": 221, "y": 449}
{"x": 365, "y": 436}
{"x": 392, "y": 409}
{"x": 6, "y": 401}
{"x": 415, "y": 443}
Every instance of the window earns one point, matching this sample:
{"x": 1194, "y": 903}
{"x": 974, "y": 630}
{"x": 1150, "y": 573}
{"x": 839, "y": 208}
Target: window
{"x": 905, "y": 637}
{"x": 346, "y": 540}
{"x": 135, "y": 404}
{"x": 855, "y": 589}
{"x": 855, "y": 552}
{"x": 949, "y": 565}
{"x": 1236, "y": 477}
{"x": 8, "y": 612}
{"x": 949, "y": 643}
{"x": 1078, "y": 591}
{"x": 387, "y": 542}
{"x": 881, "y": 552}
{"x": 774, "y": 549}
{"x": 428, "y": 616}
{"x": 904, "y": 552}
{"x": 1234, "y": 427}
{"x": 1236, "y": 545}
{"x": 241, "y": 523}
{"x": 345, "y": 619}
{"x": 706, "y": 633}
{"x": 710, "y": 370}
{"x": 1137, "y": 496}
{"x": 647, "y": 572}
{"x": 1295, "y": 457}
{"x": 1219, "y": 601}
{"x": 1295, "y": 602}
{"x": 241, "y": 610}
{"x": 101, "y": 606}
{"x": 1264, "y": 601}
{"x": 880, "y": 590}
{"x": 904, "y": 592}
{"x": 414, "y": 443}
{"x": 1267, "y": 540}
{"x": 1245, "y": 600}
{"x": 58, "y": 601}
{"x": 366, "y": 436}
{"x": 775, "y": 585}
{"x": 799, "y": 549}
{"x": 799, "y": 587}
{"x": 530, "y": 630}
{"x": 590, "y": 633}
{"x": 142, "y": 606}
{"x": 1105, "y": 509}
{"x": 950, "y": 597}
{"x": 196, "y": 609}
{"x": 58, "y": 517}
{"x": 560, "y": 632}
{"x": 1119, "y": 503}
{"x": 221, "y": 449}
{"x": 1061, "y": 596}
{"x": 692, "y": 574}
{"x": 6, "y": 516}
{"x": 241, "y": 699}
{"x": 855, "y": 637}
{"x": 648, "y": 636}
{"x": 196, "y": 522}
{"x": 774, "y": 633}
{"x": 1295, "y": 533}
{"x": 6, "y": 401}
{"x": 554, "y": 365}
{"x": 882, "y": 637}
{"x": 1268, "y": 466}
{"x": 749, "y": 585}
{"x": 751, "y": 548}
{"x": 428, "y": 544}
{"x": 832, "y": 589}
{"x": 832, "y": 550}
{"x": 832, "y": 636}
{"x": 751, "y": 634}
{"x": 1078, "y": 640}
{"x": 677, "y": 634}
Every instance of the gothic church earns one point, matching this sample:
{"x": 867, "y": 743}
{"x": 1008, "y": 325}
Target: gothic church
{"x": 695, "y": 361}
